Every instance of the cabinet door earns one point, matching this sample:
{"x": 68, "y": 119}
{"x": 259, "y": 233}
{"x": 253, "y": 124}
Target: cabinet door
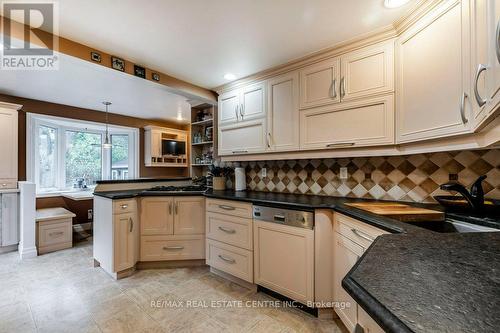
{"x": 156, "y": 145}
{"x": 9, "y": 219}
{"x": 345, "y": 255}
{"x": 368, "y": 71}
{"x": 358, "y": 123}
{"x": 189, "y": 215}
{"x": 248, "y": 137}
{"x": 283, "y": 119}
{"x": 319, "y": 83}
{"x": 8, "y": 146}
{"x": 157, "y": 216}
{"x": 494, "y": 33}
{"x": 284, "y": 260}
{"x": 229, "y": 107}
{"x": 124, "y": 226}
{"x": 253, "y": 102}
{"x": 433, "y": 75}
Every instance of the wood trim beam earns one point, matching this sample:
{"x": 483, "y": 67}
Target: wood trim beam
{"x": 81, "y": 51}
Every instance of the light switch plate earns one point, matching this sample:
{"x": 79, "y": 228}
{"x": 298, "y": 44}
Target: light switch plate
{"x": 264, "y": 173}
{"x": 343, "y": 173}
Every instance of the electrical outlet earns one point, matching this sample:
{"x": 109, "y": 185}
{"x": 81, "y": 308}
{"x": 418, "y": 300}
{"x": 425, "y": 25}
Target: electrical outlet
{"x": 343, "y": 173}
{"x": 264, "y": 173}
{"x": 90, "y": 214}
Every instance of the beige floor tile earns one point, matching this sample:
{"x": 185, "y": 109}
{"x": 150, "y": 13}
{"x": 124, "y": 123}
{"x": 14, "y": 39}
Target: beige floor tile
{"x": 130, "y": 320}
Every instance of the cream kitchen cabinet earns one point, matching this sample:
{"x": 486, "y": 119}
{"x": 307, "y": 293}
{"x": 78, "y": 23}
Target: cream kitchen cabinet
{"x": 433, "y": 75}
{"x": 358, "y": 74}
{"x": 283, "y": 112}
{"x": 124, "y": 231}
{"x": 367, "y": 323}
{"x": 319, "y": 83}
{"x": 9, "y": 219}
{"x": 485, "y": 58}
{"x": 157, "y": 216}
{"x": 8, "y": 147}
{"x": 248, "y": 137}
{"x": 358, "y": 123}
{"x": 368, "y": 71}
{"x": 351, "y": 239}
{"x": 284, "y": 260}
{"x": 189, "y": 216}
{"x": 242, "y": 104}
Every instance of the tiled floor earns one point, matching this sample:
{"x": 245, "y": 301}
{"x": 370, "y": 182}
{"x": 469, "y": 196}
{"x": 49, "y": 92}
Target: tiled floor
{"x": 63, "y": 292}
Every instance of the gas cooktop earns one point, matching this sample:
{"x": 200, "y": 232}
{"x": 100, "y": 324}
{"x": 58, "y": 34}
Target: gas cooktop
{"x": 177, "y": 189}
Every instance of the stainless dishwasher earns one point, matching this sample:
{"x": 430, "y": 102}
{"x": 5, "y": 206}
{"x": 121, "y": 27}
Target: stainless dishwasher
{"x": 284, "y": 251}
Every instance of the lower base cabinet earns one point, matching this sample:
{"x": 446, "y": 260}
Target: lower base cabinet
{"x": 230, "y": 259}
{"x": 125, "y": 234}
{"x": 284, "y": 260}
{"x": 178, "y": 247}
{"x": 367, "y": 324}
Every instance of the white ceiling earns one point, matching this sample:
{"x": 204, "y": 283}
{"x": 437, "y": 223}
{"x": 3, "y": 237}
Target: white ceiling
{"x": 200, "y": 40}
{"x": 84, "y": 84}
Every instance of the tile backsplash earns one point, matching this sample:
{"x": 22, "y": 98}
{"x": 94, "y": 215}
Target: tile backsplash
{"x": 407, "y": 178}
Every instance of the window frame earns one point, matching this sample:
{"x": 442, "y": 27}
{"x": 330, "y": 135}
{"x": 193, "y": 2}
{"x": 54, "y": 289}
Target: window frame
{"x": 61, "y": 125}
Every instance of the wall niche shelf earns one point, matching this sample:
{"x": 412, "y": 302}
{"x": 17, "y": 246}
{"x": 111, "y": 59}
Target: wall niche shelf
{"x": 203, "y": 133}
{"x": 153, "y": 155}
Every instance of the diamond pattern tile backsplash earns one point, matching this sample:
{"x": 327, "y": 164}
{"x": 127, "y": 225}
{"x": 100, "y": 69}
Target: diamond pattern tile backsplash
{"x": 407, "y": 178}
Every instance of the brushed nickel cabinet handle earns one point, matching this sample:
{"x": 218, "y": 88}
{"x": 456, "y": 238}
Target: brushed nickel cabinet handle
{"x": 226, "y": 207}
{"x": 342, "y": 87}
{"x": 236, "y": 112}
{"x": 124, "y": 206}
{"x": 226, "y": 259}
{"x": 240, "y": 151}
{"x": 169, "y": 208}
{"x": 497, "y": 42}
{"x": 334, "y": 88}
{"x": 462, "y": 108}
{"x": 341, "y": 144}
{"x": 131, "y": 224}
{"x": 480, "y": 101}
{"x": 242, "y": 111}
{"x": 362, "y": 235}
{"x": 268, "y": 140}
{"x": 3, "y": 185}
{"x": 176, "y": 208}
{"x": 167, "y": 248}
{"x": 227, "y": 231}
{"x": 56, "y": 233}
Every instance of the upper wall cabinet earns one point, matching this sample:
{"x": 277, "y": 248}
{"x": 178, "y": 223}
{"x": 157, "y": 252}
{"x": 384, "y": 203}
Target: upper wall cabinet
{"x": 8, "y": 146}
{"x": 368, "y": 71}
{"x": 485, "y": 59}
{"x": 245, "y": 138}
{"x": 242, "y": 104}
{"x": 361, "y": 73}
{"x": 433, "y": 75}
{"x": 283, "y": 109}
{"x": 319, "y": 83}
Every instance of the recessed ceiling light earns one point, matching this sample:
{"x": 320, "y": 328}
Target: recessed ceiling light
{"x": 230, "y": 77}
{"x": 395, "y": 3}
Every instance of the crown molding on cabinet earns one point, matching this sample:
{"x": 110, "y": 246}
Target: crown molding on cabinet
{"x": 10, "y": 106}
{"x": 382, "y": 34}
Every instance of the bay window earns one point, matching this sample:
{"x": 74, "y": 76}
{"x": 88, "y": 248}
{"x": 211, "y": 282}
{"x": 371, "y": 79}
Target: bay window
{"x": 67, "y": 155}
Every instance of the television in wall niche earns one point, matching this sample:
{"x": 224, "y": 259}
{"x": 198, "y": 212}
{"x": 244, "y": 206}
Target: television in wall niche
{"x": 173, "y": 147}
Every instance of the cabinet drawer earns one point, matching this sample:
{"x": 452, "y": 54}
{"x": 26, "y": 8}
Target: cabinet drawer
{"x": 231, "y": 230}
{"x": 124, "y": 206}
{"x": 359, "y": 232}
{"x": 155, "y": 248}
{"x": 8, "y": 183}
{"x": 229, "y": 207}
{"x": 54, "y": 235}
{"x": 230, "y": 259}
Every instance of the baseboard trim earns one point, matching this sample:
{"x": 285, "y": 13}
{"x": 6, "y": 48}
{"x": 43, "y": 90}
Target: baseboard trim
{"x": 170, "y": 264}
{"x": 27, "y": 253}
{"x": 7, "y": 249}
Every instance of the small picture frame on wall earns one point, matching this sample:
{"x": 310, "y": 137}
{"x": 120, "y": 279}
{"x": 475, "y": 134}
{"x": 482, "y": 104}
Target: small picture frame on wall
{"x": 94, "y": 56}
{"x": 155, "y": 77}
{"x": 140, "y": 71}
{"x": 118, "y": 64}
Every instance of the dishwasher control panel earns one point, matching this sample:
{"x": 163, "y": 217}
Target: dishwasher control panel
{"x": 290, "y": 217}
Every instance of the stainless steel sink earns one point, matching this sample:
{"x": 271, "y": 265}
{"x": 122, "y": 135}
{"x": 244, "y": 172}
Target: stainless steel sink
{"x": 453, "y": 226}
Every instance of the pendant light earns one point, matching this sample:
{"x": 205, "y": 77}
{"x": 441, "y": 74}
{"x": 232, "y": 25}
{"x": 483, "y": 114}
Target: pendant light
{"x": 107, "y": 142}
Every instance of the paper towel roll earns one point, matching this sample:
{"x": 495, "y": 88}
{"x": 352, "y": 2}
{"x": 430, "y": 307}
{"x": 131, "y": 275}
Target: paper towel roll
{"x": 240, "y": 180}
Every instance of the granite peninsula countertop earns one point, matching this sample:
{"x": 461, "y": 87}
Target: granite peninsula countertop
{"x": 412, "y": 280}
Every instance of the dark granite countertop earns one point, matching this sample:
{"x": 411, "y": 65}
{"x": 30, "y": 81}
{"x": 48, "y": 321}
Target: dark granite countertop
{"x": 412, "y": 280}
{"x": 142, "y": 180}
